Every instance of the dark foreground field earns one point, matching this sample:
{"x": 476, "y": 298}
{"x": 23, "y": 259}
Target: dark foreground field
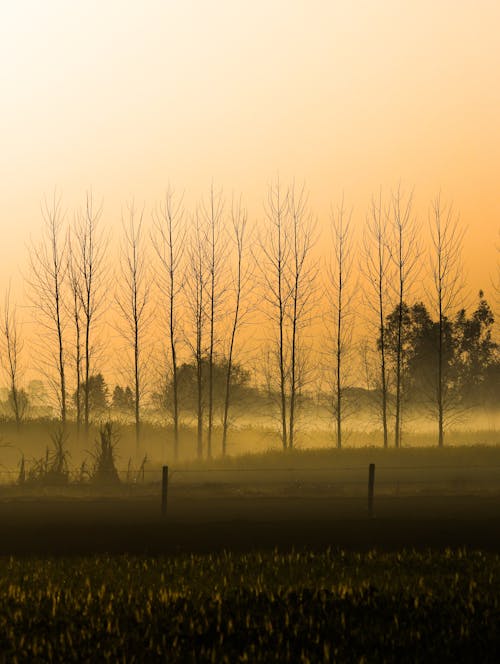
{"x": 207, "y": 519}
{"x": 285, "y": 573}
{"x": 252, "y": 607}
{"x": 307, "y": 499}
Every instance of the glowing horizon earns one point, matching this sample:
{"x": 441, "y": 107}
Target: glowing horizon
{"x": 125, "y": 97}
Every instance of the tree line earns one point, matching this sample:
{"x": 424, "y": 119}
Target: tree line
{"x": 195, "y": 296}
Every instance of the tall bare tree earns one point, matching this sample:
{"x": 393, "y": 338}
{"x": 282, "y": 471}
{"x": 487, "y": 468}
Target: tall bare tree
{"x": 375, "y": 267}
{"x": 275, "y": 250}
{"x": 12, "y": 349}
{"x": 46, "y": 281}
{"x": 301, "y": 289}
{"x": 169, "y": 243}
{"x": 196, "y": 281}
{"x": 212, "y": 213}
{"x": 75, "y": 285}
{"x": 496, "y": 280}
{"x": 239, "y": 223}
{"x": 405, "y": 253}
{"x": 288, "y": 283}
{"x": 447, "y": 237}
{"x": 90, "y": 265}
{"x": 340, "y": 273}
{"x": 132, "y": 299}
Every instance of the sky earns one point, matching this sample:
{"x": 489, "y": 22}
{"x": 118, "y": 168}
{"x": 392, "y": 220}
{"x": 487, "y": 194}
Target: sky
{"x": 126, "y": 96}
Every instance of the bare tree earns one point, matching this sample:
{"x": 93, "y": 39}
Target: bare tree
{"x": 13, "y": 347}
{"x": 196, "y": 280}
{"x": 447, "y": 237}
{"x": 169, "y": 244}
{"x": 75, "y": 285}
{"x": 46, "y": 285}
{"x": 212, "y": 213}
{"x": 90, "y": 266}
{"x": 405, "y": 254}
{"x": 275, "y": 249}
{"x": 288, "y": 282}
{"x": 340, "y": 272}
{"x": 375, "y": 267}
{"x": 496, "y": 279}
{"x": 132, "y": 300}
{"x": 239, "y": 222}
{"x": 301, "y": 288}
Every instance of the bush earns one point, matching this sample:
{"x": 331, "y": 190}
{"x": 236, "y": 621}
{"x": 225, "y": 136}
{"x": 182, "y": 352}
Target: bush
{"x": 105, "y": 471}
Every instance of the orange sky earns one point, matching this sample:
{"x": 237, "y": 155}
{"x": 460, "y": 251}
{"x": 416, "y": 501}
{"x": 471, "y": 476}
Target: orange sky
{"x": 126, "y": 95}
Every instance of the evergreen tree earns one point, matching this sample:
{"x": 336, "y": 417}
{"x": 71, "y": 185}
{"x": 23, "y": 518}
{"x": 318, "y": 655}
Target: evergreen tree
{"x": 97, "y": 394}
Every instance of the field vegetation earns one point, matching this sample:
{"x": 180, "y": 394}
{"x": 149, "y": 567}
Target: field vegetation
{"x": 245, "y": 445}
{"x": 274, "y": 606}
{"x": 41, "y": 456}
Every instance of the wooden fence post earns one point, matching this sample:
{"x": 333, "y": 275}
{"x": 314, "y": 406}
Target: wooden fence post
{"x": 371, "y": 487}
{"x": 164, "y": 491}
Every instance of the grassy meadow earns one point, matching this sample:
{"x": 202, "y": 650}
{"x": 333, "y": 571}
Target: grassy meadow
{"x": 246, "y": 445}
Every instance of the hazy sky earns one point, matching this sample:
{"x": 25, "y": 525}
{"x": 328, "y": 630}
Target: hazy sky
{"x": 125, "y": 96}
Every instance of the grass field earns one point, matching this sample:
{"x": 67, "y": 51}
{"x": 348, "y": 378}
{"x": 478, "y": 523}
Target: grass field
{"x": 407, "y": 470}
{"x": 262, "y": 558}
{"x": 246, "y": 445}
{"x": 252, "y": 607}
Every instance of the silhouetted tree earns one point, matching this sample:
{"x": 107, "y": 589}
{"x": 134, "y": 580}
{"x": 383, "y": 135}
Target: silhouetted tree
{"x": 274, "y": 263}
{"x": 375, "y": 267}
{"x": 75, "y": 311}
{"x": 496, "y": 280}
{"x": 478, "y": 360}
{"x": 37, "y": 395}
{"x": 423, "y": 355}
{"x": 447, "y": 238}
{"x": 212, "y": 214}
{"x": 471, "y": 359}
{"x": 89, "y": 255}
{"x": 46, "y": 286}
{"x": 288, "y": 290}
{"x": 104, "y": 456}
{"x": 405, "y": 254}
{"x": 132, "y": 298}
{"x": 340, "y": 320}
{"x": 239, "y": 222}
{"x": 19, "y": 403}
{"x": 412, "y": 330}
{"x": 123, "y": 398}
{"x": 188, "y": 384}
{"x": 97, "y": 394}
{"x": 300, "y": 284}
{"x": 196, "y": 280}
{"x": 169, "y": 241}
{"x": 11, "y": 356}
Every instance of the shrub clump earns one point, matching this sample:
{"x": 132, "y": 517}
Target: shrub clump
{"x": 104, "y": 455}
{"x": 51, "y": 469}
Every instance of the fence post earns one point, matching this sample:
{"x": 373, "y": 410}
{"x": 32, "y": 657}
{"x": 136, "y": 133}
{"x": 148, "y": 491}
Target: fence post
{"x": 164, "y": 490}
{"x": 371, "y": 487}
